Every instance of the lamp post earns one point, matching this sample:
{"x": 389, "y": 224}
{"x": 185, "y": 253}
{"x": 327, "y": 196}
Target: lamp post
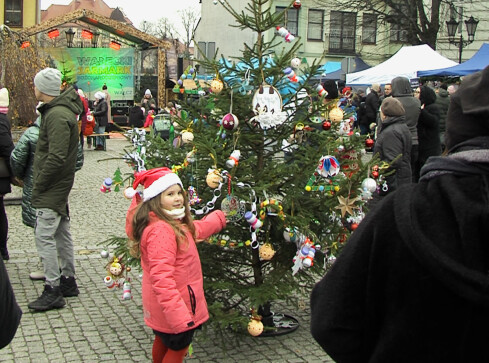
{"x": 69, "y": 37}
{"x": 452, "y": 26}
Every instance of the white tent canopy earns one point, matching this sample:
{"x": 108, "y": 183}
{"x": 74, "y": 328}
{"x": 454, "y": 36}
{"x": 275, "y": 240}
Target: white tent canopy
{"x": 406, "y": 62}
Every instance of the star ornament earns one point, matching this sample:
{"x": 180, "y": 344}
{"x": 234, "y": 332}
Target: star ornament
{"x": 347, "y": 205}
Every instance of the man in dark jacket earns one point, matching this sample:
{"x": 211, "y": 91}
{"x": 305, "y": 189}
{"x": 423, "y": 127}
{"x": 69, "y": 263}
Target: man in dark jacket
{"x": 54, "y": 174}
{"x": 372, "y": 106}
{"x": 442, "y": 101}
{"x": 401, "y": 89}
{"x": 411, "y": 283}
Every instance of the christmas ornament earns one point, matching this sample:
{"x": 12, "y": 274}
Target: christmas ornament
{"x": 284, "y": 33}
{"x": 347, "y": 205}
{"x": 187, "y": 137}
{"x": 328, "y": 166}
{"x": 255, "y": 326}
{"x": 233, "y": 209}
{"x": 109, "y": 282}
{"x": 193, "y": 197}
{"x": 290, "y": 74}
{"x": 267, "y": 106}
{"x": 104, "y": 253}
{"x": 321, "y": 91}
{"x": 233, "y": 160}
{"x": 105, "y": 188}
{"x": 369, "y": 143}
{"x": 229, "y": 121}
{"x": 216, "y": 86}
{"x": 126, "y": 291}
{"x": 115, "y": 268}
{"x": 213, "y": 178}
{"x": 304, "y": 256}
{"x": 326, "y": 125}
{"x": 369, "y": 184}
{"x": 254, "y": 222}
{"x": 336, "y": 114}
{"x": 330, "y": 187}
{"x": 297, "y": 4}
{"x": 266, "y": 252}
{"x": 295, "y": 62}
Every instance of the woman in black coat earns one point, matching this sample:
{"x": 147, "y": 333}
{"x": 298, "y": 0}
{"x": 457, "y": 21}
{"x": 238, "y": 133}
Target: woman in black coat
{"x": 428, "y": 128}
{"x": 6, "y": 147}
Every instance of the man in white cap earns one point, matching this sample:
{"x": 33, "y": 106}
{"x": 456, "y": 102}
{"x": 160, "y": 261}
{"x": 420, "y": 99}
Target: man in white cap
{"x": 148, "y": 102}
{"x": 54, "y": 174}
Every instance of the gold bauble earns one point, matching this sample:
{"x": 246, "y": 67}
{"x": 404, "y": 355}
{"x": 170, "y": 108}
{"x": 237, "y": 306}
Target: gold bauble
{"x": 266, "y": 252}
{"x": 336, "y": 114}
{"x": 255, "y": 327}
{"x": 216, "y": 86}
{"x": 213, "y": 179}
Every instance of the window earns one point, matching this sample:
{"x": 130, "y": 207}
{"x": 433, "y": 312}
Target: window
{"x": 291, "y": 22}
{"x": 13, "y": 12}
{"x": 399, "y": 28}
{"x": 315, "y": 25}
{"x": 369, "y": 29}
{"x": 342, "y": 32}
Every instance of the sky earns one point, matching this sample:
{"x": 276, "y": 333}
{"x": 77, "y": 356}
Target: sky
{"x": 139, "y": 10}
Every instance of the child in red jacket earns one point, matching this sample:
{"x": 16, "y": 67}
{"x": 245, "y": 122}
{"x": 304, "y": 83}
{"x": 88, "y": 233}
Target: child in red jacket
{"x": 164, "y": 234}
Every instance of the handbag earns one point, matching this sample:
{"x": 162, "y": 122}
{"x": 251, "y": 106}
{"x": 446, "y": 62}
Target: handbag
{"x": 4, "y": 168}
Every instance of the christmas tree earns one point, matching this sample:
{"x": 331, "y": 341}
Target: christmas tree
{"x": 267, "y": 145}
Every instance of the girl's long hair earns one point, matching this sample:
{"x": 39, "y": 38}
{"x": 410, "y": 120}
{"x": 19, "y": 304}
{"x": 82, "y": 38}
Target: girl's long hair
{"x": 141, "y": 221}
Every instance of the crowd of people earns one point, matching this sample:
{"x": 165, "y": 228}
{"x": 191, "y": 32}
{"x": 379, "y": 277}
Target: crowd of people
{"x": 420, "y": 251}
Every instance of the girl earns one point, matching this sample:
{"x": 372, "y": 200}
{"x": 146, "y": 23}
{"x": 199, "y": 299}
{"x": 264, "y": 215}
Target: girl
{"x": 164, "y": 236}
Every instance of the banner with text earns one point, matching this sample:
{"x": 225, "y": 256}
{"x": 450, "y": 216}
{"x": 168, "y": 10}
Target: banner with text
{"x": 94, "y": 67}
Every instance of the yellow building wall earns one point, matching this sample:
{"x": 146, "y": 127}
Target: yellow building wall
{"x": 31, "y": 9}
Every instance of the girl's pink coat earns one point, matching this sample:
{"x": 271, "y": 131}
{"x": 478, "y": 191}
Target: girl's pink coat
{"x": 173, "y": 293}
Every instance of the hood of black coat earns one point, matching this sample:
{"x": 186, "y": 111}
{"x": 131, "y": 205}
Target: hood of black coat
{"x": 401, "y": 86}
{"x": 445, "y": 224}
{"x": 427, "y": 95}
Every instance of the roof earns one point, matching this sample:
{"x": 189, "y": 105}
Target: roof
{"x": 97, "y": 6}
{"x": 476, "y": 63}
{"x": 407, "y": 62}
{"x": 122, "y": 30}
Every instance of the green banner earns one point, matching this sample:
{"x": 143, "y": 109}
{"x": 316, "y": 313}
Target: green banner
{"x": 94, "y": 67}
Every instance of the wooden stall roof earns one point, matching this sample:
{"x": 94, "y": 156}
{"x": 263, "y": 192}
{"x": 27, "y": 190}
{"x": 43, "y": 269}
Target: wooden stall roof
{"x": 125, "y": 31}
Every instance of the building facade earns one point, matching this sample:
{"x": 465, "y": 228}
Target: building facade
{"x": 18, "y": 14}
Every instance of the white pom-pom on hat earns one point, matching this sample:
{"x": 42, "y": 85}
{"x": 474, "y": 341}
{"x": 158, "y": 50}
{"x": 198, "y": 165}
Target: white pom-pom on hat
{"x": 130, "y": 192}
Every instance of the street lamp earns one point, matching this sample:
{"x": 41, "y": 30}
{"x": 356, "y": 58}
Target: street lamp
{"x": 452, "y": 26}
{"x": 69, "y": 37}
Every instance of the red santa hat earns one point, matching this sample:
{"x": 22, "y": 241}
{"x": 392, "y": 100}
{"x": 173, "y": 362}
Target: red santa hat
{"x": 155, "y": 181}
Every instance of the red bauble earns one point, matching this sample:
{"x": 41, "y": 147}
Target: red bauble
{"x": 369, "y": 143}
{"x": 354, "y": 226}
{"x": 326, "y": 125}
{"x": 229, "y": 121}
{"x": 375, "y": 174}
{"x": 297, "y": 4}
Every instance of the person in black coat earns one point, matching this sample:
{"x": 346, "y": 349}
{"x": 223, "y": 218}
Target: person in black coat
{"x": 428, "y": 128}
{"x": 10, "y": 313}
{"x": 410, "y": 285}
{"x": 393, "y": 144}
{"x": 371, "y": 107}
{"x": 136, "y": 116}
{"x": 6, "y": 147}
{"x": 101, "y": 118}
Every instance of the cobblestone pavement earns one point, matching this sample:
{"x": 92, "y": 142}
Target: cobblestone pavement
{"x": 97, "y": 326}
